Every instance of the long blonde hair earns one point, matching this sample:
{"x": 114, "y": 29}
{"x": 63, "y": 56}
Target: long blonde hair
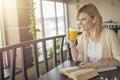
{"x": 93, "y": 12}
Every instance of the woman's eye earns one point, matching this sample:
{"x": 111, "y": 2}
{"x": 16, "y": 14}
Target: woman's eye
{"x": 83, "y": 19}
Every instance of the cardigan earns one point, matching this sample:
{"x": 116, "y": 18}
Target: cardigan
{"x": 109, "y": 42}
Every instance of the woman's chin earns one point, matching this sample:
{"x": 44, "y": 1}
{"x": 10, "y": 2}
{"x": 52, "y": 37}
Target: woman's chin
{"x": 83, "y": 30}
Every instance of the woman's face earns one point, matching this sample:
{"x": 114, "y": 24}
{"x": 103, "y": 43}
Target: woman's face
{"x": 86, "y": 22}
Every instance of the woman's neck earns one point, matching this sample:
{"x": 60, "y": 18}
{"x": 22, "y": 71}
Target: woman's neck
{"x": 92, "y": 33}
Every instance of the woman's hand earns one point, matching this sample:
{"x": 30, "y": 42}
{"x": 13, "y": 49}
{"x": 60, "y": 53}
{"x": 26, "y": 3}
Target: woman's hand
{"x": 86, "y": 64}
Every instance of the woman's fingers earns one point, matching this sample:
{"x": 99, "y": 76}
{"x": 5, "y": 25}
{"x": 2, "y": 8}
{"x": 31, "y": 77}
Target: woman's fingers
{"x": 86, "y": 64}
{"x": 83, "y": 65}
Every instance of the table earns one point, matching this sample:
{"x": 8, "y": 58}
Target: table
{"x": 55, "y": 75}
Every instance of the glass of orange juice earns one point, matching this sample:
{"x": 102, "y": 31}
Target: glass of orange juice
{"x": 72, "y": 34}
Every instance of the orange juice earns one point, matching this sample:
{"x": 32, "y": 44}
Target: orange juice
{"x": 73, "y": 34}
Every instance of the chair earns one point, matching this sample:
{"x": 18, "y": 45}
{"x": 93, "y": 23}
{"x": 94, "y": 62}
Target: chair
{"x": 113, "y": 26}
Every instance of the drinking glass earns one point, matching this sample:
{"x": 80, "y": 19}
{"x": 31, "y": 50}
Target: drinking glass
{"x": 72, "y": 34}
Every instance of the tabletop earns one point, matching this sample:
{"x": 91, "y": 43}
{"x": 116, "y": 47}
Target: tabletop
{"x": 54, "y": 74}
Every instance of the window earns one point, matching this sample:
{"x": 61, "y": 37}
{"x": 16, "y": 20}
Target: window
{"x": 2, "y": 40}
{"x": 2, "y": 37}
{"x": 0, "y": 27}
{"x": 1, "y": 33}
{"x": 51, "y": 19}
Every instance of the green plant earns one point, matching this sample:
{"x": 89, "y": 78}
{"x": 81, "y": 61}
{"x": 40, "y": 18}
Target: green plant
{"x": 50, "y": 50}
{"x": 58, "y": 43}
{"x": 77, "y": 3}
{"x": 33, "y": 30}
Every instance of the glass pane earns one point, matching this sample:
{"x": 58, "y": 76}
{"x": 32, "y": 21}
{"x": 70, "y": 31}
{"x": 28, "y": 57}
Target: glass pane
{"x": 1, "y": 38}
{"x": 2, "y": 41}
{"x": 0, "y": 33}
{"x": 38, "y": 17}
{"x": 50, "y": 23}
{"x": 60, "y": 17}
{"x": 49, "y": 18}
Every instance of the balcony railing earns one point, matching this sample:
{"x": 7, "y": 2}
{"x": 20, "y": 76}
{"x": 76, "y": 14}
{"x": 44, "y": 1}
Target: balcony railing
{"x": 12, "y": 49}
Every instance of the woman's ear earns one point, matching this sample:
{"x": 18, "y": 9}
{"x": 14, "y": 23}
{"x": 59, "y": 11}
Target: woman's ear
{"x": 94, "y": 20}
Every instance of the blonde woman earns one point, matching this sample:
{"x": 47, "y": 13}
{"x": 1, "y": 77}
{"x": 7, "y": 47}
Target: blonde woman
{"x": 97, "y": 46}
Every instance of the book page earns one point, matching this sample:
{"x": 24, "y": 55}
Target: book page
{"x": 102, "y": 69}
{"x": 68, "y": 70}
{"x": 84, "y": 74}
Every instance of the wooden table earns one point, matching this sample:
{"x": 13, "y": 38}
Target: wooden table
{"x": 55, "y": 75}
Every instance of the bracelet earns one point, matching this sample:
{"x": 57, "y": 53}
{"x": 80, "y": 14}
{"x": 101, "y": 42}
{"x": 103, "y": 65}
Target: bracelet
{"x": 108, "y": 62}
{"x": 71, "y": 41}
{"x": 72, "y": 46}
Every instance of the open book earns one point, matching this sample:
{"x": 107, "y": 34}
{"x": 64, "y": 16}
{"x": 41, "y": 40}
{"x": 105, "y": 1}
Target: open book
{"x": 76, "y": 73}
{"x": 102, "y": 69}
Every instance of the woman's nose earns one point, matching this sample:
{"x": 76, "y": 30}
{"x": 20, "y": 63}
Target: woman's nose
{"x": 80, "y": 23}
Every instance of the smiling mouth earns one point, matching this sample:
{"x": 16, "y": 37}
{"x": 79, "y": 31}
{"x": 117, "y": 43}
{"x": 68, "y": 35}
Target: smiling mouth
{"x": 82, "y": 26}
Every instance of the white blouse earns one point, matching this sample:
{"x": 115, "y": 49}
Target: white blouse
{"x": 94, "y": 51}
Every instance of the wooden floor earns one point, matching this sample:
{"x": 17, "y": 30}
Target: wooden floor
{"x": 7, "y": 72}
{"x": 19, "y": 75}
{"x": 30, "y": 71}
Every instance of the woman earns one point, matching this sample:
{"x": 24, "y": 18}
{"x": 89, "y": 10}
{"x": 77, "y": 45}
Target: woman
{"x": 97, "y": 46}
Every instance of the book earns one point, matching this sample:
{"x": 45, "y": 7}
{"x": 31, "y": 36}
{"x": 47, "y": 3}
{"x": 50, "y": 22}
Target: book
{"x": 76, "y": 73}
{"x": 102, "y": 69}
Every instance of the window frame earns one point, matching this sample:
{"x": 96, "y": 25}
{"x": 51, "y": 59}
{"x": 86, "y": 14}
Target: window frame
{"x": 65, "y": 20}
{"x": 65, "y": 16}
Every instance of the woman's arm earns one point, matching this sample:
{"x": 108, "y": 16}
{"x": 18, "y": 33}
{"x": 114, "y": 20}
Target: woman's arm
{"x": 74, "y": 50}
{"x": 107, "y": 62}
{"x": 101, "y": 63}
{"x": 113, "y": 62}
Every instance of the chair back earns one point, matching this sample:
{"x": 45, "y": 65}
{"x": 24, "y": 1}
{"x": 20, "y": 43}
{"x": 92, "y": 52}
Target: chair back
{"x": 114, "y": 26}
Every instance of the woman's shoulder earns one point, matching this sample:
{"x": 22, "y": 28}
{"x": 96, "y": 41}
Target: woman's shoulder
{"x": 108, "y": 31}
